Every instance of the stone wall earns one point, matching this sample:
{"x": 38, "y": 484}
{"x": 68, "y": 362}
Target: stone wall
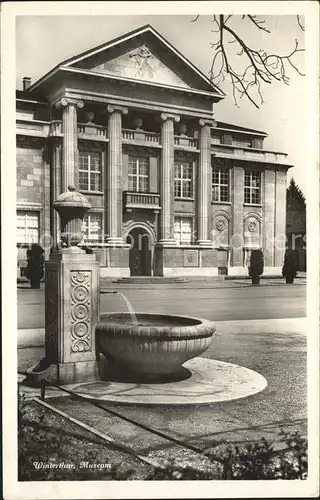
{"x": 30, "y": 172}
{"x": 33, "y": 184}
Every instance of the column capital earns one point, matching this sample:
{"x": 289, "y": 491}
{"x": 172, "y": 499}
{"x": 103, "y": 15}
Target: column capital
{"x": 111, "y": 108}
{"x": 167, "y": 116}
{"x": 205, "y": 121}
{"x": 66, "y": 101}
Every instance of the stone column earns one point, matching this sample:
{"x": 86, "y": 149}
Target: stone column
{"x": 167, "y": 178}
{"x": 203, "y": 182}
{"x": 70, "y": 142}
{"x": 237, "y": 217}
{"x": 55, "y": 189}
{"x": 114, "y": 176}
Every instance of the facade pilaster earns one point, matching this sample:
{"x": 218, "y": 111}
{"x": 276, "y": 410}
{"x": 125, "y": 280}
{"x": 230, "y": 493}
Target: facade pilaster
{"x": 114, "y": 176}
{"x": 167, "y": 178}
{"x": 203, "y": 182}
{"x": 70, "y": 141}
{"x": 269, "y": 217}
{"x": 280, "y": 217}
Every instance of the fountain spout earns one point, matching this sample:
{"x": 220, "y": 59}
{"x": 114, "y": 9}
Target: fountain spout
{"x": 127, "y": 303}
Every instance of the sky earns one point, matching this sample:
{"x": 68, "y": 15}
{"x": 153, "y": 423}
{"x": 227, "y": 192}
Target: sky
{"x": 44, "y": 41}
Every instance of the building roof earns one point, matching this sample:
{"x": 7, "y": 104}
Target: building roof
{"x": 30, "y": 96}
{"x": 238, "y": 128}
{"x": 86, "y": 59}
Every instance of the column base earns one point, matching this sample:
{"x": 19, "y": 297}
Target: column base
{"x": 190, "y": 272}
{"x": 205, "y": 243}
{"x": 115, "y": 241}
{"x": 167, "y": 242}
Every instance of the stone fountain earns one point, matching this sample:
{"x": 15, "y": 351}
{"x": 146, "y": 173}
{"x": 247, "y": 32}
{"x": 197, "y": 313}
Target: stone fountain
{"x": 153, "y": 344}
{"x": 146, "y": 344}
{"x": 148, "y": 358}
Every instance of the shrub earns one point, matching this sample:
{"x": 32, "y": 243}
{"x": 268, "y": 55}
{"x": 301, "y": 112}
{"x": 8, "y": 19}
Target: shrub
{"x": 251, "y": 461}
{"x": 290, "y": 265}
{"x": 256, "y": 265}
{"x": 35, "y": 265}
{"x": 261, "y": 461}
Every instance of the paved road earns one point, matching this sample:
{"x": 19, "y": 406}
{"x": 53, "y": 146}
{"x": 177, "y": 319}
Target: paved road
{"x": 218, "y": 304}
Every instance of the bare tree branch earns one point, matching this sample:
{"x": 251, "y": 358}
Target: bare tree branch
{"x": 300, "y": 23}
{"x": 259, "y": 66}
{"x": 259, "y": 23}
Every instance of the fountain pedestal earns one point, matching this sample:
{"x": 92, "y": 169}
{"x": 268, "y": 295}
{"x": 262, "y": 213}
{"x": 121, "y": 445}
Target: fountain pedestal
{"x": 72, "y": 301}
{"x": 72, "y": 311}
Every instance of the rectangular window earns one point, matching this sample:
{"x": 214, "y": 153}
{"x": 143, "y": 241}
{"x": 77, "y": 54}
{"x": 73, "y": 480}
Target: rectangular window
{"x": 183, "y": 180}
{"x": 27, "y": 227}
{"x": 242, "y": 143}
{"x": 183, "y": 230}
{"x": 216, "y": 139}
{"x": 89, "y": 171}
{"x": 252, "y": 183}
{"x": 220, "y": 184}
{"x": 138, "y": 174}
{"x": 92, "y": 228}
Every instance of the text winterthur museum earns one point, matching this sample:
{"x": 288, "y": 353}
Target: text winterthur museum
{"x": 173, "y": 191}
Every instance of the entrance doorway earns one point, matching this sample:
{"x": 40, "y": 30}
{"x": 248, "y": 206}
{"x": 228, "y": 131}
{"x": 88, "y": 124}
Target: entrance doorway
{"x": 140, "y": 254}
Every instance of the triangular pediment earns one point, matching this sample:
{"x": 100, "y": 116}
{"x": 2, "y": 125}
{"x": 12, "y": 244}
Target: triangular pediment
{"x": 143, "y": 55}
{"x": 141, "y": 64}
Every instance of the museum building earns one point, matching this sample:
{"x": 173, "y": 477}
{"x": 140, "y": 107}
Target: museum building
{"x": 173, "y": 191}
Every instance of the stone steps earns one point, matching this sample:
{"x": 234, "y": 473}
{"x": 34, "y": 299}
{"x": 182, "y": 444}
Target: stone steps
{"x": 150, "y": 280}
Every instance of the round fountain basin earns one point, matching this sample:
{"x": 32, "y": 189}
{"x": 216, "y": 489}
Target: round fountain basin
{"x": 156, "y": 344}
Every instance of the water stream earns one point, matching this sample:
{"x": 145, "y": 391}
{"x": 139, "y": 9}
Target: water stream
{"x": 130, "y": 308}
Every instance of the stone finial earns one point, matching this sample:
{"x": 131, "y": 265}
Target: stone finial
{"x": 72, "y": 207}
{"x": 89, "y": 116}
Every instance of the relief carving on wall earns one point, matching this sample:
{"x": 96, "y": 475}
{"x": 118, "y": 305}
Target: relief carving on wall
{"x": 220, "y": 232}
{"x": 191, "y": 258}
{"x": 252, "y": 229}
{"x": 220, "y": 224}
{"x": 143, "y": 57}
{"x": 80, "y": 311}
{"x": 252, "y": 226}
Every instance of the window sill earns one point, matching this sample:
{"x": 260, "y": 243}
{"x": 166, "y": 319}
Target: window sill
{"x": 183, "y": 199}
{"x": 187, "y": 245}
{"x": 220, "y": 202}
{"x": 252, "y": 205}
{"x": 91, "y": 192}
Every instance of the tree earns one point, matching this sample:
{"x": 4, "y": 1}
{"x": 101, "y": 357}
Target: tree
{"x": 248, "y": 68}
{"x": 295, "y": 197}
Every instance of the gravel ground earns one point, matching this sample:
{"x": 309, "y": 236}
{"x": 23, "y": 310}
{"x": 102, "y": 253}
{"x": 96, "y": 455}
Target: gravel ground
{"x": 71, "y": 446}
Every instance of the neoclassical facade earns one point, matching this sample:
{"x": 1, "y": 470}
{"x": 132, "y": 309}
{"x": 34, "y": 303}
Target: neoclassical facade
{"x": 173, "y": 191}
